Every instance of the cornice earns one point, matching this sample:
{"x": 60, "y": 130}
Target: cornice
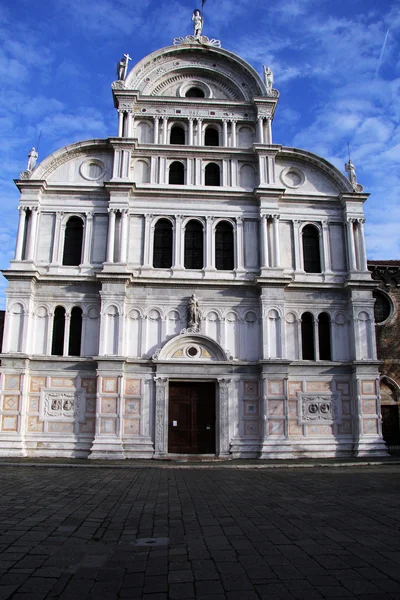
{"x": 37, "y": 185}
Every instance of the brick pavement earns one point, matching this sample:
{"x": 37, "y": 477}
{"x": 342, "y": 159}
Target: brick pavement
{"x": 212, "y": 534}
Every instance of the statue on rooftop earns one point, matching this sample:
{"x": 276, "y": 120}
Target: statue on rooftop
{"x": 351, "y": 170}
{"x": 122, "y": 67}
{"x": 32, "y": 158}
{"x": 268, "y": 77}
{"x": 197, "y": 23}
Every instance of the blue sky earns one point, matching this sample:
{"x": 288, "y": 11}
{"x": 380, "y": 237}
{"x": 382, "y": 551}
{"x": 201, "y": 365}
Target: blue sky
{"x": 338, "y": 79}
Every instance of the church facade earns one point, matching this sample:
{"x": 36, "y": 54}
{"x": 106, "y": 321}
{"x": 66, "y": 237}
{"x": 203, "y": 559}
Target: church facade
{"x": 189, "y": 286}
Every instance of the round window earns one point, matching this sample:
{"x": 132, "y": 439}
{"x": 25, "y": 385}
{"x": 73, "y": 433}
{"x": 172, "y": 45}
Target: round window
{"x": 382, "y": 308}
{"x": 192, "y": 351}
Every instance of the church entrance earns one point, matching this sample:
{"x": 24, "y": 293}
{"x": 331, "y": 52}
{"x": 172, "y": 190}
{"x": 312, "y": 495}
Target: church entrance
{"x": 191, "y": 417}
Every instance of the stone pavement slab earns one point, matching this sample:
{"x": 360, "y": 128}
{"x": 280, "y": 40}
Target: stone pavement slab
{"x": 208, "y": 534}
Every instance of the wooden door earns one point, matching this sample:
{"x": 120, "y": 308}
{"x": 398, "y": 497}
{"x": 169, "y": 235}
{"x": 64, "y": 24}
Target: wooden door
{"x": 390, "y": 424}
{"x": 191, "y": 418}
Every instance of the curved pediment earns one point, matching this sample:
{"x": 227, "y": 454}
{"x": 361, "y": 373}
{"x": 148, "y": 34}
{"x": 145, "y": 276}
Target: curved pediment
{"x": 165, "y": 71}
{"x": 192, "y": 347}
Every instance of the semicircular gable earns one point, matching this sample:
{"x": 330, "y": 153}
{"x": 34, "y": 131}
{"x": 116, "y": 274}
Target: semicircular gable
{"x": 157, "y": 72}
{"x": 92, "y": 163}
{"x": 303, "y": 172}
{"x": 192, "y": 347}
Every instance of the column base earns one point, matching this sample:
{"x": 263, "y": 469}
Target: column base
{"x": 107, "y": 448}
{"x": 370, "y": 447}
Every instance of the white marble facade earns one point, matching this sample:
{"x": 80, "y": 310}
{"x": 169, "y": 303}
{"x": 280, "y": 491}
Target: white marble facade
{"x": 192, "y": 196}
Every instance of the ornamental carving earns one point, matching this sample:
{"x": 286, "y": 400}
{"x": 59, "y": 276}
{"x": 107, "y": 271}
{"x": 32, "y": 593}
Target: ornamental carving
{"x": 224, "y": 414}
{"x": 388, "y": 275}
{"x": 191, "y": 39}
{"x": 320, "y": 408}
{"x": 65, "y": 405}
{"x": 161, "y": 387}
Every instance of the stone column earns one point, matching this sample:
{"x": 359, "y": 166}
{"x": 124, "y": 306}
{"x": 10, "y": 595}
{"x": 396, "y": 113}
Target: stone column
{"x": 147, "y": 241}
{"x": 156, "y": 129}
{"x": 128, "y": 123}
{"x": 21, "y": 233}
{"x": 165, "y": 131}
{"x": 239, "y": 245}
{"x": 275, "y": 224}
{"x": 269, "y": 131}
{"x": 362, "y": 250}
{"x": 326, "y": 266}
{"x": 199, "y": 132}
{"x": 87, "y": 239}
{"x": 350, "y": 244}
{"x": 177, "y": 258}
{"x": 161, "y": 422}
{"x": 124, "y": 235}
{"x": 190, "y": 131}
{"x": 224, "y": 389}
{"x": 264, "y": 242}
{"x": 67, "y": 325}
{"x": 210, "y": 255}
{"x": 225, "y": 132}
{"x": 120, "y": 122}
{"x": 234, "y": 137}
{"x": 260, "y": 130}
{"x": 296, "y": 239}
{"x": 32, "y": 232}
{"x": 111, "y": 235}
{"x": 316, "y": 339}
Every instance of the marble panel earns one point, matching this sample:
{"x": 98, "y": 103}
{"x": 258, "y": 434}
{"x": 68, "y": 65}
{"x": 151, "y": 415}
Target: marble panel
{"x": 132, "y": 406}
{"x": 293, "y": 388}
{"x": 88, "y": 426}
{"x": 60, "y": 427}
{"x": 318, "y": 386}
{"x": 89, "y": 384}
{"x": 10, "y": 402}
{"x": 369, "y": 407}
{"x": 109, "y": 385}
{"x": 368, "y": 388}
{"x": 275, "y": 388}
{"x": 276, "y": 407}
{"x": 132, "y": 387}
{"x": 319, "y": 430}
{"x": 9, "y": 423}
{"x": 292, "y": 408}
{"x": 251, "y": 388}
{"x": 107, "y": 426}
{"x": 62, "y": 382}
{"x": 90, "y": 405}
{"x": 36, "y": 383}
{"x": 131, "y": 426}
{"x": 251, "y": 407}
{"x": 251, "y": 428}
{"x": 11, "y": 382}
{"x": 276, "y": 427}
{"x": 370, "y": 426}
{"x": 108, "y": 405}
{"x": 295, "y": 428}
{"x": 346, "y": 407}
{"x": 33, "y": 404}
{"x": 34, "y": 425}
{"x": 343, "y": 387}
{"x": 346, "y": 427}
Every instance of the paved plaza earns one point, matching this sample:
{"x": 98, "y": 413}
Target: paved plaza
{"x": 215, "y": 534}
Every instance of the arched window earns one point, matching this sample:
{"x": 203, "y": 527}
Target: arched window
{"x": 195, "y": 92}
{"x": 177, "y": 135}
{"x": 224, "y": 255}
{"x": 211, "y": 137}
{"x": 176, "y": 173}
{"x": 324, "y": 337}
{"x": 307, "y": 336}
{"x": 311, "y": 255}
{"x": 75, "y": 332}
{"x": 73, "y": 242}
{"x": 57, "y": 346}
{"x": 162, "y": 257}
{"x": 194, "y": 245}
{"x": 212, "y": 174}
